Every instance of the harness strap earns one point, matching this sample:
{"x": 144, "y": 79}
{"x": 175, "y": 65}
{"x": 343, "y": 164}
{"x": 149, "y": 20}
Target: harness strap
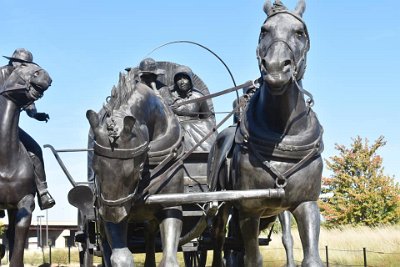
{"x": 164, "y": 163}
{"x": 157, "y": 183}
{"x": 160, "y": 153}
{"x": 281, "y": 180}
{"x": 117, "y": 202}
{"x": 119, "y": 153}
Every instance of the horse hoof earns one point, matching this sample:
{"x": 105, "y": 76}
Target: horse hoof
{"x": 312, "y": 263}
{"x": 122, "y": 257}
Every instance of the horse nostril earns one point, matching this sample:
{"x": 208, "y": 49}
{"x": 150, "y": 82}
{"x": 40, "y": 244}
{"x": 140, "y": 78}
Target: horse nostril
{"x": 263, "y": 62}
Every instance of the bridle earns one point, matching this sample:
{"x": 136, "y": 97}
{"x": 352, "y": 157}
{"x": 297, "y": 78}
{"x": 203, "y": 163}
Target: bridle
{"x": 27, "y": 87}
{"x": 302, "y": 154}
{"x": 299, "y": 65}
{"x": 122, "y": 154}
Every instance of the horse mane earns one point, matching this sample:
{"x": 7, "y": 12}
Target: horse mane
{"x": 120, "y": 93}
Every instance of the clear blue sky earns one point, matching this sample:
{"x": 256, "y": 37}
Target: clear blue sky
{"x": 352, "y": 65}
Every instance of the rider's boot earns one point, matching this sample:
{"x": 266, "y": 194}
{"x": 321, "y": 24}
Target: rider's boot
{"x": 45, "y": 200}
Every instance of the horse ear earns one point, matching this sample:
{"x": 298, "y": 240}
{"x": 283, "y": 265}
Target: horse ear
{"x": 267, "y": 7}
{"x": 129, "y": 122}
{"x": 93, "y": 119}
{"x": 300, "y": 8}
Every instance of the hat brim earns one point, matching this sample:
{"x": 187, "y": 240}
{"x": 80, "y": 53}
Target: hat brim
{"x": 17, "y": 59}
{"x": 157, "y": 72}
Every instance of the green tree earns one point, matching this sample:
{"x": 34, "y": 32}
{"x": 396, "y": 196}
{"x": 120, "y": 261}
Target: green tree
{"x": 360, "y": 194}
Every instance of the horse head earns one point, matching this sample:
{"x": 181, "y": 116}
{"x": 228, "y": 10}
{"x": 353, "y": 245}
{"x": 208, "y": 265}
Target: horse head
{"x": 283, "y": 45}
{"x": 120, "y": 148}
{"x": 26, "y": 84}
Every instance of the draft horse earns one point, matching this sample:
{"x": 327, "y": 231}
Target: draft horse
{"x": 135, "y": 142}
{"x": 26, "y": 84}
{"x": 277, "y": 143}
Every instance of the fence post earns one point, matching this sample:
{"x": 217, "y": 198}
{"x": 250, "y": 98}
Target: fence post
{"x": 50, "y": 254}
{"x": 365, "y": 257}
{"x": 327, "y": 258}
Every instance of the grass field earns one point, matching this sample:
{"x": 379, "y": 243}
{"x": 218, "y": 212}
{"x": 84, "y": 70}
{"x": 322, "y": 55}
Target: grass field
{"x": 345, "y": 248}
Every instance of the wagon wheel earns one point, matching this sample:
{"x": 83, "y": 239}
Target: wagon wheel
{"x": 195, "y": 258}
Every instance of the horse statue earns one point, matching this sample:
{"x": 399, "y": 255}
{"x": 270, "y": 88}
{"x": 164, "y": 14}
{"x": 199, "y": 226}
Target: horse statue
{"x": 276, "y": 144}
{"x": 136, "y": 142}
{"x": 26, "y": 84}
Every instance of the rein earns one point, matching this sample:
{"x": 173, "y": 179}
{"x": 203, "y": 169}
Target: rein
{"x": 226, "y": 91}
{"x": 156, "y": 184}
{"x": 26, "y": 87}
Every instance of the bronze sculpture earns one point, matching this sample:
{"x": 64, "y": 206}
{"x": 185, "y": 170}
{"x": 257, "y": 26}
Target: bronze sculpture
{"x": 277, "y": 143}
{"x": 136, "y": 139}
{"x": 26, "y": 83}
{"x": 45, "y": 200}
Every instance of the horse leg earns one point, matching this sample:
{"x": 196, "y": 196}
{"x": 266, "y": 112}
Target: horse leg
{"x": 218, "y": 234}
{"x": 308, "y": 221}
{"x": 170, "y": 229}
{"x": 22, "y": 221}
{"x": 287, "y": 239}
{"x": 249, "y": 226}
{"x": 106, "y": 249}
{"x": 10, "y": 232}
{"x": 150, "y": 238}
{"x": 117, "y": 237}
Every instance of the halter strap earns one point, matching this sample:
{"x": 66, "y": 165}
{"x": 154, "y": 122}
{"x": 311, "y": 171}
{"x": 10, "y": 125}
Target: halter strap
{"x": 297, "y": 75}
{"x": 119, "y": 153}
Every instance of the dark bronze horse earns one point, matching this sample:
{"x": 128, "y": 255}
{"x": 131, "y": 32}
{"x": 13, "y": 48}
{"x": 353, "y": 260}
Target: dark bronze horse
{"x": 277, "y": 143}
{"x": 136, "y": 141}
{"x": 25, "y": 85}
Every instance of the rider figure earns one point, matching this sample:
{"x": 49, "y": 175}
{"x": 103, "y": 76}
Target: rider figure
{"x": 148, "y": 73}
{"x": 196, "y": 118}
{"x": 45, "y": 200}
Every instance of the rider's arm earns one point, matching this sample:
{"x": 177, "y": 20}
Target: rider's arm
{"x": 32, "y": 112}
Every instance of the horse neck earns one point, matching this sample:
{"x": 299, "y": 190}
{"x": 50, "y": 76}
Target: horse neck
{"x": 163, "y": 127}
{"x": 284, "y": 114}
{"x": 9, "y": 131}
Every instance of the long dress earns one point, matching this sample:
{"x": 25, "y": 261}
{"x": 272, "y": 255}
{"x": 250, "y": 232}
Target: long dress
{"x": 196, "y": 119}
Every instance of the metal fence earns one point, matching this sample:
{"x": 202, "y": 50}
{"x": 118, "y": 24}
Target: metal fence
{"x": 363, "y": 253}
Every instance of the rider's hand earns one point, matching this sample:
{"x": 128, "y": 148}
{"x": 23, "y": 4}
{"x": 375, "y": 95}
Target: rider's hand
{"x": 41, "y": 116}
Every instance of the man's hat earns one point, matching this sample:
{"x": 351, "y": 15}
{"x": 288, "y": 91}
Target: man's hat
{"x": 21, "y": 54}
{"x": 149, "y": 65}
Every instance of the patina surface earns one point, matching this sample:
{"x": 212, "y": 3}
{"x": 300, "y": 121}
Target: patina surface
{"x": 277, "y": 143}
{"x": 137, "y": 138}
{"x": 25, "y": 84}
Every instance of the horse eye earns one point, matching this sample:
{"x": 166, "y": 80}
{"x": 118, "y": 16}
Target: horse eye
{"x": 300, "y": 33}
{"x": 264, "y": 30}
